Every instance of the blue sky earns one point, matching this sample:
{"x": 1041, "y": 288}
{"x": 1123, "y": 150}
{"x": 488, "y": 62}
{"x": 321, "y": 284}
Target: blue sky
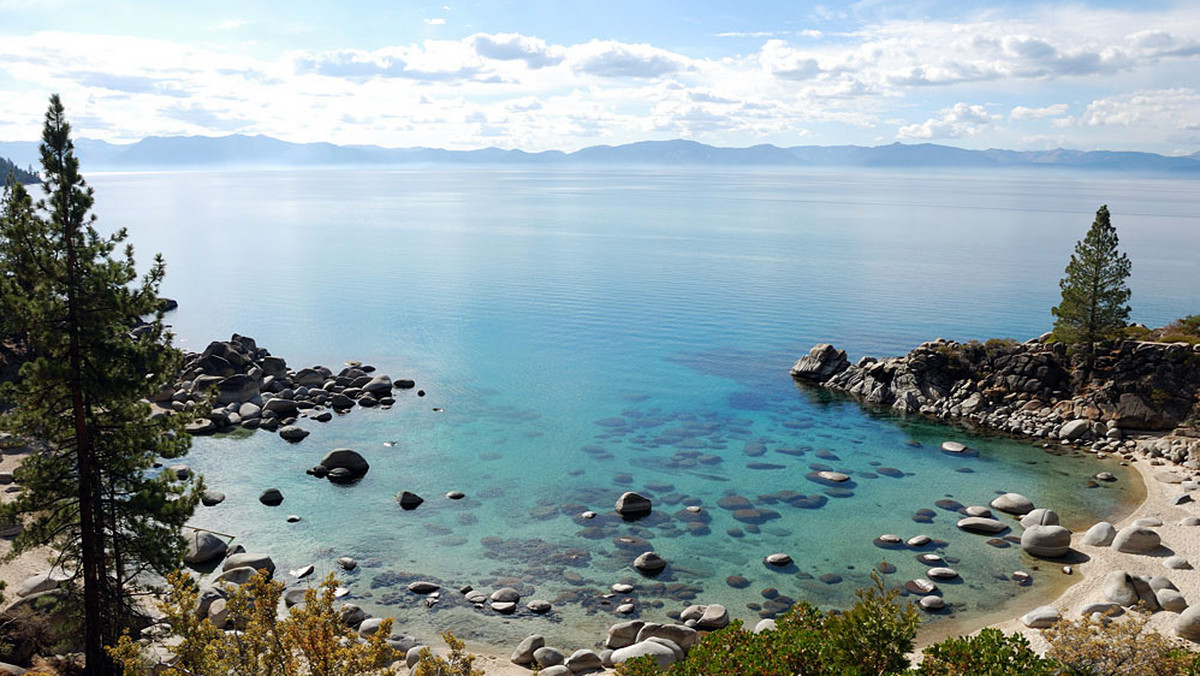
{"x": 541, "y": 74}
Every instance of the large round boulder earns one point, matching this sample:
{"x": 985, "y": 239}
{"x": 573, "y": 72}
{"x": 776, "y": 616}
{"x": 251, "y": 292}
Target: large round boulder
{"x": 1048, "y": 542}
{"x": 523, "y": 653}
{"x": 292, "y": 433}
{"x": 1118, "y": 587}
{"x": 346, "y": 458}
{"x": 1013, "y": 503}
{"x": 202, "y": 546}
{"x": 1040, "y": 617}
{"x": 661, "y": 654}
{"x": 1040, "y": 517}
{"x": 1187, "y": 625}
{"x": 981, "y": 525}
{"x": 1100, "y": 535}
{"x": 632, "y": 505}
{"x": 255, "y": 560}
{"x": 1136, "y": 540}
{"x": 649, "y": 563}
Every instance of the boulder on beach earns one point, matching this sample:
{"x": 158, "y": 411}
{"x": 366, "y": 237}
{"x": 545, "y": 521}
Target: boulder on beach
{"x": 1040, "y": 617}
{"x": 1187, "y": 625}
{"x": 1118, "y": 587}
{"x": 1013, "y": 503}
{"x": 1040, "y": 517}
{"x": 582, "y": 660}
{"x": 683, "y": 636}
{"x": 715, "y": 616}
{"x": 1048, "y": 542}
{"x": 255, "y": 560}
{"x": 662, "y": 655}
{"x": 1100, "y": 535}
{"x": 631, "y": 505}
{"x": 623, "y": 634}
{"x": 202, "y": 546}
{"x": 523, "y": 653}
{"x": 1136, "y": 540}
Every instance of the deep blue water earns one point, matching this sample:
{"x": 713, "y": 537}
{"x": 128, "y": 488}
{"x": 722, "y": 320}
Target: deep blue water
{"x": 586, "y": 332}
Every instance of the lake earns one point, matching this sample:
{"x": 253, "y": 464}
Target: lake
{"x": 584, "y": 332}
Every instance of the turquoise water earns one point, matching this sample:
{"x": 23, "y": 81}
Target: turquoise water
{"x": 589, "y": 332}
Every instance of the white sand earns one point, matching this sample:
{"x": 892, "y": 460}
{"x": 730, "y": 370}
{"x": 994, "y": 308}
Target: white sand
{"x": 1182, "y": 540}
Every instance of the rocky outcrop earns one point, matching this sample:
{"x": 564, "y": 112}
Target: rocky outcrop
{"x": 237, "y": 383}
{"x": 1136, "y": 388}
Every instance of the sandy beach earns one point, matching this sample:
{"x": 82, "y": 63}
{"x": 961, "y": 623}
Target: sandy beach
{"x": 1179, "y": 539}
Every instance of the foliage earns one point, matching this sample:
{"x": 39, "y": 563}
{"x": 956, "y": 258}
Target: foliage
{"x": 1094, "y": 290}
{"x": 43, "y": 629}
{"x": 88, "y": 490}
{"x": 10, "y": 168}
{"x": 459, "y": 663}
{"x": 310, "y": 640}
{"x": 1104, "y": 647}
{"x": 875, "y": 635}
{"x": 872, "y": 637}
{"x": 989, "y": 653}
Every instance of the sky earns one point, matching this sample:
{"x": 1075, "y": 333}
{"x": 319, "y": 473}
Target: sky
{"x": 566, "y": 74}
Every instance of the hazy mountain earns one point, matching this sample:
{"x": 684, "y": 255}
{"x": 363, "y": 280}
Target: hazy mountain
{"x": 202, "y": 152}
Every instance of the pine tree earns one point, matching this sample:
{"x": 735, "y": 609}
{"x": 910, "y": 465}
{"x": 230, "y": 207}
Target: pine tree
{"x": 1094, "y": 291}
{"x": 89, "y": 489}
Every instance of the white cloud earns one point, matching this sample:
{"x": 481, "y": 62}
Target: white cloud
{"x": 436, "y": 22}
{"x": 513, "y": 46}
{"x": 959, "y": 120}
{"x": 1023, "y": 113}
{"x": 1171, "y": 108}
{"x": 618, "y": 60}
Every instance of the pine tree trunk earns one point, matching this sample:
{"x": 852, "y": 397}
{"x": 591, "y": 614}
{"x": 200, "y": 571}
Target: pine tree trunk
{"x": 91, "y": 533}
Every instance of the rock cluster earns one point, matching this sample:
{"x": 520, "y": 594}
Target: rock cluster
{"x": 237, "y": 383}
{"x": 1029, "y": 389}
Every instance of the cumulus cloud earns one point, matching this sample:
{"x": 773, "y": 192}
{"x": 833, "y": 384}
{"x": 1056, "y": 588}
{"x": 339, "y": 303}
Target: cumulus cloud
{"x": 788, "y": 63}
{"x": 619, "y": 60}
{"x": 1178, "y": 108}
{"x": 514, "y": 46}
{"x": 1023, "y": 113}
{"x": 433, "y": 62}
{"x": 959, "y": 120}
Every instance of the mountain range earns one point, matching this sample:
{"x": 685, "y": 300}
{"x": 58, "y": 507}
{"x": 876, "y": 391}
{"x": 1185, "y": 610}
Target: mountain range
{"x": 238, "y": 151}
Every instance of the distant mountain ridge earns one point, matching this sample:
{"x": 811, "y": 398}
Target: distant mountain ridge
{"x": 238, "y": 151}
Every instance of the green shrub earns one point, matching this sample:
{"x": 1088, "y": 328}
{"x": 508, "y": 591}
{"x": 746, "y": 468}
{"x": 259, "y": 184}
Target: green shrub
{"x": 990, "y": 653}
{"x": 872, "y": 638}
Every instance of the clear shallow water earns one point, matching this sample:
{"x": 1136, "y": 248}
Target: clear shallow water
{"x": 589, "y": 332}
